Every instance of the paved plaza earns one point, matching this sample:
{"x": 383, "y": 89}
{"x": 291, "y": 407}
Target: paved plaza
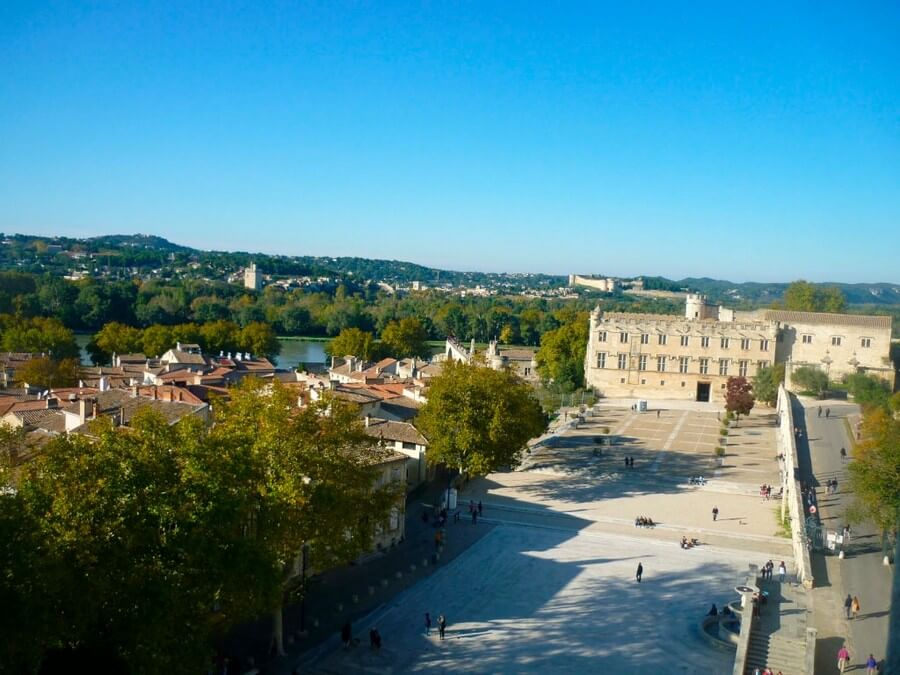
{"x": 552, "y": 588}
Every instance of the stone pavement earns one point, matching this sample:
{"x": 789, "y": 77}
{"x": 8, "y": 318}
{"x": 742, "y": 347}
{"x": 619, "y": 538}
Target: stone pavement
{"x": 551, "y": 588}
{"x": 861, "y": 573}
{"x": 530, "y": 600}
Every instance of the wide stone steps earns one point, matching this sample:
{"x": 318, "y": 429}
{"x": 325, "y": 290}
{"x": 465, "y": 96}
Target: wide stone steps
{"x": 776, "y": 653}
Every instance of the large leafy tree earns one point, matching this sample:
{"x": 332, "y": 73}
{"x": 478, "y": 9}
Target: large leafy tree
{"x": 875, "y": 470}
{"x": 478, "y": 419}
{"x": 806, "y": 297}
{"x": 810, "y": 379}
{"x": 115, "y": 338}
{"x": 37, "y": 335}
{"x": 403, "y": 338}
{"x": 353, "y": 342}
{"x": 561, "y": 355}
{"x": 869, "y": 391}
{"x": 766, "y": 381}
{"x": 259, "y": 338}
{"x": 312, "y": 473}
{"x": 48, "y": 373}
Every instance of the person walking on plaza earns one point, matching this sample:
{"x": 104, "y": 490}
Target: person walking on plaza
{"x": 442, "y": 625}
{"x": 657, "y": 413}
{"x": 438, "y": 539}
{"x": 427, "y": 623}
{"x": 479, "y": 507}
{"x": 715, "y": 513}
{"x": 474, "y": 517}
{"x": 346, "y": 635}
{"x": 640, "y": 572}
{"x": 855, "y": 607}
{"x": 871, "y": 665}
{"x": 843, "y": 454}
{"x": 820, "y": 411}
{"x": 848, "y": 604}
{"x": 782, "y": 571}
{"x": 827, "y": 413}
{"x": 843, "y": 658}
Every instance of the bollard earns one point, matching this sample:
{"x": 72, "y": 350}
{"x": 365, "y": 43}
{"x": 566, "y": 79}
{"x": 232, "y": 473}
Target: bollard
{"x": 886, "y": 561}
{"x": 289, "y": 639}
{"x": 355, "y": 599}
{"x": 399, "y": 574}
{"x": 424, "y": 562}
{"x": 340, "y": 607}
{"x": 371, "y": 590}
{"x": 412, "y": 567}
{"x": 315, "y": 623}
{"x": 384, "y": 583}
{"x": 841, "y": 554}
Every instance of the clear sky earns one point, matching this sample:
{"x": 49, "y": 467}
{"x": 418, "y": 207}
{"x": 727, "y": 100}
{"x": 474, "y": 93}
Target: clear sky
{"x": 734, "y": 140}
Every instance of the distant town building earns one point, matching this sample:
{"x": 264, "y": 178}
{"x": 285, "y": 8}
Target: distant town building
{"x": 692, "y": 357}
{"x": 252, "y": 278}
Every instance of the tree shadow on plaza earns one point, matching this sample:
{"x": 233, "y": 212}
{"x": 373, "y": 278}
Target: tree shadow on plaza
{"x": 511, "y": 608}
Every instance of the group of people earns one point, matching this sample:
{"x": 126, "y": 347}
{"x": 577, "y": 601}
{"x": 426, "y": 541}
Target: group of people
{"x": 831, "y": 486}
{"x": 768, "y": 570}
{"x": 765, "y": 491}
{"x": 441, "y": 624}
{"x": 629, "y": 462}
{"x": 844, "y": 660}
{"x": 475, "y": 511}
{"x": 765, "y": 671}
{"x": 851, "y": 605}
{"x": 686, "y": 543}
{"x": 644, "y": 521}
{"x": 697, "y": 480}
{"x": 827, "y": 412}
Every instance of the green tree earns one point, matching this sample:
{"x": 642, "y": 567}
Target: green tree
{"x": 352, "y": 342}
{"x": 810, "y": 379}
{"x": 259, "y": 338}
{"x": 803, "y": 296}
{"x": 478, "y": 419}
{"x": 38, "y": 335}
{"x": 313, "y": 473}
{"x": 48, "y": 373}
{"x": 869, "y": 391}
{"x": 739, "y": 397}
{"x": 561, "y": 356}
{"x": 875, "y": 469}
{"x": 403, "y": 338}
{"x": 766, "y": 382}
{"x": 114, "y": 338}
{"x": 219, "y": 336}
{"x": 156, "y": 340}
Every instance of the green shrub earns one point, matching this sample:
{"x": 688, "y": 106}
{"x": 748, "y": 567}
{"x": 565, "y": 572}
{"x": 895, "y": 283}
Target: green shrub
{"x": 720, "y": 451}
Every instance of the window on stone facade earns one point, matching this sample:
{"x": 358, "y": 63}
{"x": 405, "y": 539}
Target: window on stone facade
{"x": 661, "y": 364}
{"x": 623, "y": 361}
{"x": 745, "y": 343}
{"x": 395, "y": 475}
{"x": 724, "y": 342}
{"x": 742, "y": 368}
{"x": 601, "y": 336}
{"x": 704, "y": 341}
{"x": 683, "y": 364}
{"x": 835, "y": 340}
{"x": 601, "y": 360}
{"x": 645, "y": 338}
{"x": 409, "y": 446}
{"x": 685, "y": 340}
{"x": 662, "y": 339}
{"x": 764, "y": 345}
{"x": 806, "y": 339}
{"x": 865, "y": 342}
{"x": 723, "y": 366}
{"x": 704, "y": 366}
{"x": 642, "y": 362}
{"x": 623, "y": 337}
{"x": 527, "y": 372}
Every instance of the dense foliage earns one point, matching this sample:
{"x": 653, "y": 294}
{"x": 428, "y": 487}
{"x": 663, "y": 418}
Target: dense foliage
{"x": 147, "y": 542}
{"x": 739, "y": 398}
{"x": 875, "y": 470}
{"x": 478, "y": 419}
{"x": 803, "y": 296}
{"x": 809, "y": 379}
{"x": 766, "y": 381}
{"x": 561, "y": 357}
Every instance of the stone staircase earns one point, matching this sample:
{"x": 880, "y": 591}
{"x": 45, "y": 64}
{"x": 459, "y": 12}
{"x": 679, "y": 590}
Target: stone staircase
{"x": 778, "y": 653}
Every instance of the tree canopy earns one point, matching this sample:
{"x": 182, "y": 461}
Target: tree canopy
{"x": 478, "y": 419}
{"x": 809, "y": 379}
{"x": 353, "y": 342}
{"x": 803, "y": 296}
{"x": 561, "y": 356}
{"x": 766, "y": 382}
{"x": 404, "y": 338}
{"x": 739, "y": 397}
{"x": 875, "y": 469}
{"x": 869, "y": 391}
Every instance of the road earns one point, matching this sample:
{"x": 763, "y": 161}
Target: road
{"x": 861, "y": 573}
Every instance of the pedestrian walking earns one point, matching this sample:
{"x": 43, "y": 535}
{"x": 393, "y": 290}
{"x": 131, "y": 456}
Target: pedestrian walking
{"x": 442, "y": 625}
{"x": 657, "y": 414}
{"x": 827, "y": 413}
{"x": 782, "y": 571}
{"x": 871, "y": 665}
{"x": 479, "y": 507}
{"x": 715, "y": 513}
{"x": 346, "y": 635}
{"x": 427, "y": 623}
{"x": 820, "y": 411}
{"x": 640, "y": 572}
{"x": 843, "y": 658}
{"x": 843, "y": 454}
{"x": 848, "y": 604}
{"x": 375, "y": 639}
{"x": 474, "y": 517}
{"x": 438, "y": 539}
{"x": 855, "y": 606}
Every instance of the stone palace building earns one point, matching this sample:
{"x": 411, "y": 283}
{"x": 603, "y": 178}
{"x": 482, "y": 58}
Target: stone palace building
{"x": 691, "y": 357}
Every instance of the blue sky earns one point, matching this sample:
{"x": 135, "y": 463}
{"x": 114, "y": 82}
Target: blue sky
{"x": 734, "y": 140}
